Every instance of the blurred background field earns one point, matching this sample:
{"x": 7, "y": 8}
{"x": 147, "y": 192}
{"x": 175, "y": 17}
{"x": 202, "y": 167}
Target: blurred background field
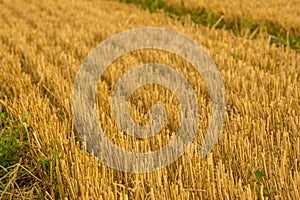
{"x": 255, "y": 46}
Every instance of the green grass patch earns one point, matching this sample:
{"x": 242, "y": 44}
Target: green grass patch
{"x": 13, "y": 140}
{"x": 267, "y": 191}
{"x": 151, "y": 5}
{"x": 14, "y": 145}
{"x": 259, "y": 174}
{"x": 48, "y": 165}
{"x": 14, "y": 150}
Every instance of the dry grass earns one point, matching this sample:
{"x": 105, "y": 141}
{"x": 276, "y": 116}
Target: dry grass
{"x": 42, "y": 44}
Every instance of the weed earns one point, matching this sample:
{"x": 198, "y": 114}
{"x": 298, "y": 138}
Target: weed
{"x": 259, "y": 174}
{"x": 13, "y": 141}
{"x": 48, "y": 165}
{"x": 151, "y": 5}
{"x": 14, "y": 145}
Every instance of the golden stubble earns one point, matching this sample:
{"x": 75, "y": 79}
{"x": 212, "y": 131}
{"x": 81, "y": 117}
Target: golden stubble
{"x": 42, "y": 45}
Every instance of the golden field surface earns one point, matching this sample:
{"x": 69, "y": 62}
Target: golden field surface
{"x": 42, "y": 46}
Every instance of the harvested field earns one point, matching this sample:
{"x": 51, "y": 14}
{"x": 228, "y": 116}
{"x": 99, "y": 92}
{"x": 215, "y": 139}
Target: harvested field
{"x": 42, "y": 45}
